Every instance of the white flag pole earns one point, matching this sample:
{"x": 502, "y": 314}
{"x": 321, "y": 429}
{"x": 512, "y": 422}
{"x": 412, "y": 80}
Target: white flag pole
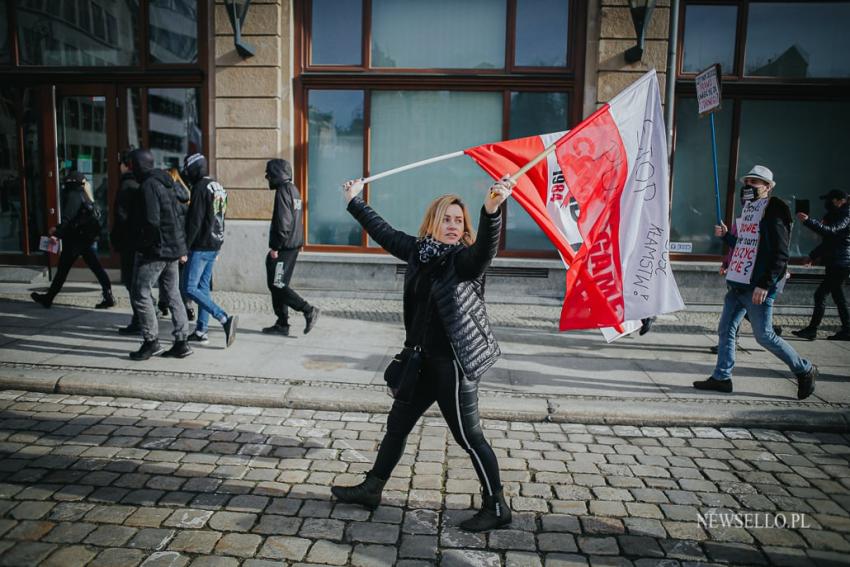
{"x": 412, "y": 166}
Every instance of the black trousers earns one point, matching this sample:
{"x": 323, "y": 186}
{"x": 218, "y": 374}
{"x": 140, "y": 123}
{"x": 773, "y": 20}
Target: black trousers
{"x": 832, "y": 284}
{"x": 441, "y": 380}
{"x": 284, "y": 297}
{"x": 70, "y": 252}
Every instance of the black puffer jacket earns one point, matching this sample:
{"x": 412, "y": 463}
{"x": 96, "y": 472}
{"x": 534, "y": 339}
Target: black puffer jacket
{"x": 73, "y": 199}
{"x": 457, "y": 285}
{"x": 834, "y": 250}
{"x": 287, "y": 229}
{"x": 163, "y": 234}
{"x": 774, "y": 237}
{"x": 205, "y": 220}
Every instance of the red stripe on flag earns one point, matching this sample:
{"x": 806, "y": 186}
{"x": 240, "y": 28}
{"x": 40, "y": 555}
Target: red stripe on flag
{"x": 595, "y": 166}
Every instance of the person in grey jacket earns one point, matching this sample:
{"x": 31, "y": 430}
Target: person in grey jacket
{"x": 286, "y": 237}
{"x": 446, "y": 322}
{"x": 162, "y": 245}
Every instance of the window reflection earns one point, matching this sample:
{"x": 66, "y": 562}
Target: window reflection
{"x": 5, "y": 53}
{"x": 541, "y": 33}
{"x": 336, "y": 153}
{"x": 173, "y": 31}
{"x": 709, "y": 38}
{"x": 174, "y": 125}
{"x": 336, "y": 32}
{"x": 802, "y": 39}
{"x": 82, "y": 32}
{"x": 11, "y": 233}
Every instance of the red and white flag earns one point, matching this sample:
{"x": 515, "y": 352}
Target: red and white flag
{"x": 613, "y": 165}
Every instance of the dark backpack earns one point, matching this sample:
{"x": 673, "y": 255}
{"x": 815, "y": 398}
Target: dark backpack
{"x": 87, "y": 223}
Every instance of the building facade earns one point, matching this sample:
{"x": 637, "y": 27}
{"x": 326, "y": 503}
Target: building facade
{"x": 347, "y": 88}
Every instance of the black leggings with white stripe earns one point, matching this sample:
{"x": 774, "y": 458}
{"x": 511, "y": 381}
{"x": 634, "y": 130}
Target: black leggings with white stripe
{"x": 442, "y": 381}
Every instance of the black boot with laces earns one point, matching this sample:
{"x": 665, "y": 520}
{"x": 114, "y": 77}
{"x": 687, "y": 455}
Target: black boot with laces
{"x": 367, "y": 493}
{"x": 494, "y": 513}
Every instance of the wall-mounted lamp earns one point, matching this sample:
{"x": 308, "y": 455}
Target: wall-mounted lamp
{"x": 237, "y": 11}
{"x": 641, "y": 14}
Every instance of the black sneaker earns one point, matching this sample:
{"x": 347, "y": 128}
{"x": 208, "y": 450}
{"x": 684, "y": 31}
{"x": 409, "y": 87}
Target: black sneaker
{"x": 806, "y": 383}
{"x": 147, "y": 350}
{"x": 190, "y": 313}
{"x": 230, "y": 330}
{"x": 778, "y": 330}
{"x": 646, "y": 325}
{"x": 163, "y": 311}
{"x": 107, "y": 301}
{"x": 311, "y": 316}
{"x": 839, "y": 336}
{"x": 130, "y": 329}
{"x": 806, "y": 333}
{"x": 200, "y": 338}
{"x": 277, "y": 329}
{"x": 42, "y": 299}
{"x": 180, "y": 349}
{"x": 714, "y": 385}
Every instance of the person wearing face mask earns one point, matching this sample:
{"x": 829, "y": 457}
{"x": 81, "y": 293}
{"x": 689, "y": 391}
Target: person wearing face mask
{"x": 445, "y": 321}
{"x": 759, "y": 263}
{"x": 834, "y": 253}
{"x": 286, "y": 237}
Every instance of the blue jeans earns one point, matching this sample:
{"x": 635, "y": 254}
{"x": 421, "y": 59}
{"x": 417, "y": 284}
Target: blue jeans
{"x": 198, "y": 271}
{"x": 739, "y": 301}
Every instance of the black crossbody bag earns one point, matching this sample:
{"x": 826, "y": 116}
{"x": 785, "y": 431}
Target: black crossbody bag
{"x": 404, "y": 369}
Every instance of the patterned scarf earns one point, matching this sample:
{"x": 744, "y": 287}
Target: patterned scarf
{"x": 429, "y": 248}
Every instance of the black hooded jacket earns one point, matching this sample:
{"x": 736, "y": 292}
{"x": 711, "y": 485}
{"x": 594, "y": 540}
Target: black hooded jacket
{"x": 73, "y": 198}
{"x": 834, "y": 229}
{"x": 287, "y": 229}
{"x": 205, "y": 221}
{"x": 163, "y": 235}
{"x": 126, "y": 226}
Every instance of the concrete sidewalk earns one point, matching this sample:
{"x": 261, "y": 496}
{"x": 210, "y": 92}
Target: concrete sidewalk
{"x": 543, "y": 375}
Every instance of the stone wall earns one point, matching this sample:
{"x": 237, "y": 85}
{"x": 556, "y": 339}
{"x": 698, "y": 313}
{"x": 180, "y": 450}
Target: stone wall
{"x": 616, "y": 35}
{"x": 253, "y": 104}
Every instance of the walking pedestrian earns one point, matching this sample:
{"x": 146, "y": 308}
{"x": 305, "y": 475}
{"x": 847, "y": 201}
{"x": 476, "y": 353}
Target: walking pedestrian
{"x": 126, "y": 229}
{"x": 286, "y": 237}
{"x": 834, "y": 254}
{"x": 183, "y": 197}
{"x": 759, "y": 262}
{"x": 162, "y": 247}
{"x": 446, "y": 323}
{"x": 79, "y": 231}
{"x": 204, "y": 237}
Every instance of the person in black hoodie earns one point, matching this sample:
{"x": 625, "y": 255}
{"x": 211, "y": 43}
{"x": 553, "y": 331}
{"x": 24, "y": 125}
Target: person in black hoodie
{"x": 126, "y": 227}
{"x": 445, "y": 321}
{"x": 763, "y": 275}
{"x": 286, "y": 237}
{"x": 77, "y": 203}
{"x": 834, "y": 253}
{"x": 162, "y": 245}
{"x": 204, "y": 237}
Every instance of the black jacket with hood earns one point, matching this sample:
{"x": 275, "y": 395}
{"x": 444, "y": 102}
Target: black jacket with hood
{"x": 773, "y": 249}
{"x": 163, "y": 234}
{"x": 129, "y": 206}
{"x": 73, "y": 198}
{"x": 205, "y": 220}
{"x": 457, "y": 285}
{"x": 287, "y": 229}
{"x": 834, "y": 250}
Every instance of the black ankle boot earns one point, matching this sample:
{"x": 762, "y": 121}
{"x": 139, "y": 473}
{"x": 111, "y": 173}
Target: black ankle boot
{"x": 42, "y": 299}
{"x": 108, "y": 300}
{"x": 367, "y": 493}
{"x": 493, "y": 514}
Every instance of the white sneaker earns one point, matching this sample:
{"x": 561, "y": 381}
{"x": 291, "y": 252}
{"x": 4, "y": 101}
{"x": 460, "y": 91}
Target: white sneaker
{"x": 197, "y": 337}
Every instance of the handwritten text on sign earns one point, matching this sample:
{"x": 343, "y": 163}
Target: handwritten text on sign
{"x": 745, "y": 251}
{"x": 708, "y": 90}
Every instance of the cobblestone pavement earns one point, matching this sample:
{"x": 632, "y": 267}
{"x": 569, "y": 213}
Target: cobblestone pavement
{"x": 125, "y": 482}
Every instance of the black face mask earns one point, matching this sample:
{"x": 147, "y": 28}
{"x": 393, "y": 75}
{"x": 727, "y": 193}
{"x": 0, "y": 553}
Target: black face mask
{"x": 748, "y": 193}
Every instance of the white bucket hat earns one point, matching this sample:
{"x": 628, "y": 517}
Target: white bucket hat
{"x": 760, "y": 172}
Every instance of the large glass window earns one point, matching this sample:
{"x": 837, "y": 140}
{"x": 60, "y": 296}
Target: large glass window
{"x": 798, "y": 39}
{"x": 11, "y": 231}
{"x": 32, "y": 168}
{"x": 173, "y": 31}
{"x": 531, "y": 114}
{"x": 412, "y": 125}
{"x": 779, "y": 134}
{"x": 336, "y": 32}
{"x": 336, "y": 154}
{"x": 693, "y": 202}
{"x": 709, "y": 38}
{"x": 541, "y": 33}
{"x": 458, "y": 35}
{"x": 5, "y": 52}
{"x": 174, "y": 125}
{"x": 95, "y": 34}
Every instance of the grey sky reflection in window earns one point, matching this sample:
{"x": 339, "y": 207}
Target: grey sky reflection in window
{"x": 804, "y": 39}
{"x": 541, "y": 33}
{"x": 336, "y": 32}
{"x": 173, "y": 31}
{"x": 709, "y": 38}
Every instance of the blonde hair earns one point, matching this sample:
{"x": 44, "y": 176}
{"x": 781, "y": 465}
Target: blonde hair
{"x": 87, "y": 189}
{"x": 175, "y": 175}
{"x": 437, "y": 210}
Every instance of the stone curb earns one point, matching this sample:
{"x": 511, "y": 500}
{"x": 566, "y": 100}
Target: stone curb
{"x": 372, "y": 399}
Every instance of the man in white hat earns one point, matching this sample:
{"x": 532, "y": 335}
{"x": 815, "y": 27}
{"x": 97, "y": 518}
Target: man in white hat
{"x": 758, "y": 263}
